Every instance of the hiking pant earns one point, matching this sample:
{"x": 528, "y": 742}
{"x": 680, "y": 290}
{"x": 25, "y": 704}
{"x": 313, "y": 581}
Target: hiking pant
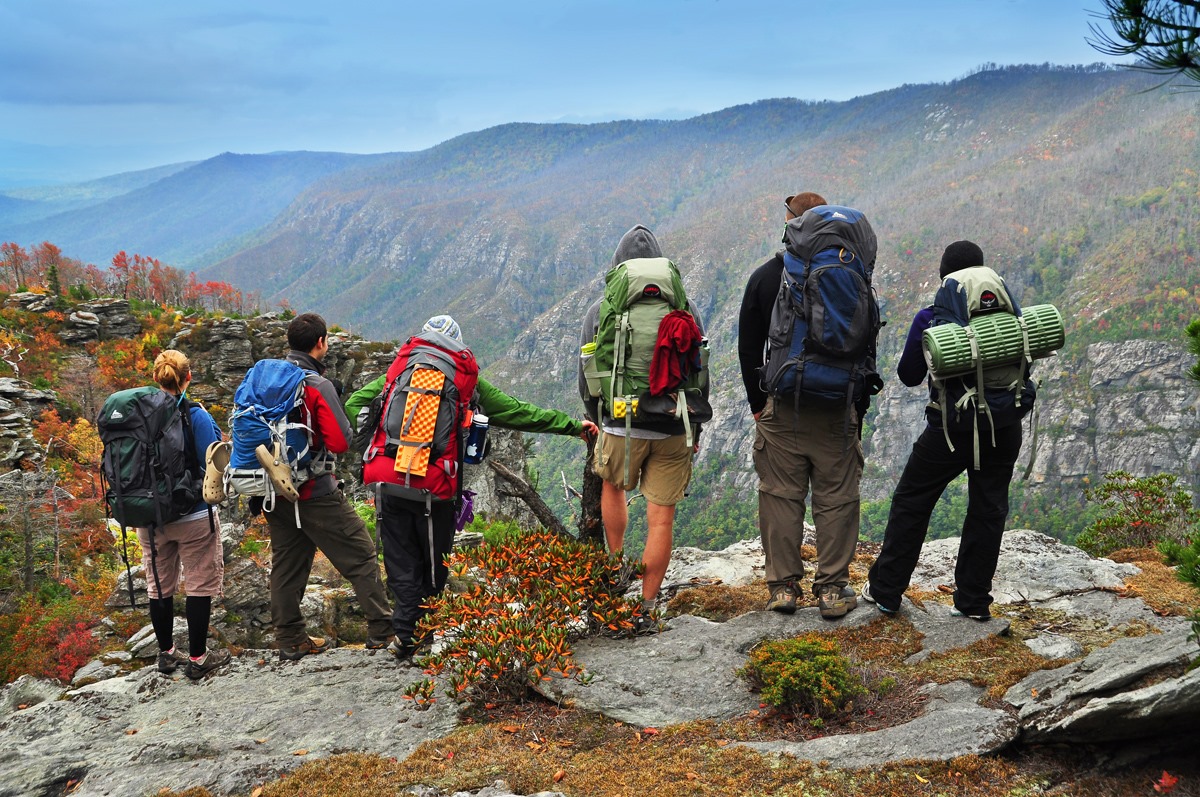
{"x": 328, "y": 524}
{"x": 415, "y": 565}
{"x": 795, "y": 450}
{"x": 932, "y": 466}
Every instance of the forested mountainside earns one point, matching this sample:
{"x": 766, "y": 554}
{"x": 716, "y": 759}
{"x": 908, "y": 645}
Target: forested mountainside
{"x": 1080, "y": 184}
{"x": 187, "y": 214}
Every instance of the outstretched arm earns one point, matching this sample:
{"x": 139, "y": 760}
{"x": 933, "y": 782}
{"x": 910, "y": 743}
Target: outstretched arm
{"x": 513, "y": 413}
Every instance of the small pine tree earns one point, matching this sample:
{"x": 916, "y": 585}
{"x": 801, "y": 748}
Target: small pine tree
{"x": 1193, "y": 344}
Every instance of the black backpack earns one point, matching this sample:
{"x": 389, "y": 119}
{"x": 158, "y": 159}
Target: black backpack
{"x": 149, "y": 464}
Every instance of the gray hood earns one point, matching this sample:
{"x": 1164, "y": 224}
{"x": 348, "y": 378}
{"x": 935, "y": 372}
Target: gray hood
{"x": 638, "y": 242}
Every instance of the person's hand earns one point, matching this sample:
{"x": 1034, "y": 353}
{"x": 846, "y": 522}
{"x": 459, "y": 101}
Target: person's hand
{"x": 589, "y": 431}
{"x": 756, "y": 416}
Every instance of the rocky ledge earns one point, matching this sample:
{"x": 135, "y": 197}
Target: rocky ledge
{"x": 141, "y": 731}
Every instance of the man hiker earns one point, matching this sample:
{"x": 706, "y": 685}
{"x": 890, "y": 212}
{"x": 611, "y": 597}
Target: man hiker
{"x": 414, "y": 560}
{"x": 938, "y": 456}
{"x": 659, "y": 447}
{"x": 798, "y": 447}
{"x": 327, "y": 522}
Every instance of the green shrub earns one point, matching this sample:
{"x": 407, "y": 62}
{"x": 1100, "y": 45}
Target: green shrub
{"x": 366, "y": 512}
{"x": 1185, "y": 557}
{"x": 806, "y": 674}
{"x": 496, "y": 532}
{"x": 1141, "y": 512}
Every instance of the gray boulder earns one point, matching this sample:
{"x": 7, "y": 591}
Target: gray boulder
{"x": 145, "y": 731}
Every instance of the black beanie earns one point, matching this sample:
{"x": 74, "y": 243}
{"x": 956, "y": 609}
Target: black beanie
{"x": 960, "y": 255}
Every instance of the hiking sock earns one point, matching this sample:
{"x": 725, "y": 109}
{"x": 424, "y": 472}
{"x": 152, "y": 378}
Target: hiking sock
{"x": 162, "y": 617}
{"x": 199, "y": 611}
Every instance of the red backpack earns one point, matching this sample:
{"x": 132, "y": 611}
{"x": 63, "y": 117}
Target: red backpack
{"x": 417, "y": 448}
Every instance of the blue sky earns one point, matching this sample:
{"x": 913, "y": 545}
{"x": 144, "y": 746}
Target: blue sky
{"x": 90, "y": 88}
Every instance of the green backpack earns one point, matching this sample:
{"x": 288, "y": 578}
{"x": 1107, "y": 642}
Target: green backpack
{"x": 638, "y": 294}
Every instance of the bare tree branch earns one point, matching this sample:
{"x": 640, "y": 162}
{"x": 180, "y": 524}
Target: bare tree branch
{"x": 524, "y": 491}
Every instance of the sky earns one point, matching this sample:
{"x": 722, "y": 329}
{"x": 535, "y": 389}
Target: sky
{"x": 90, "y": 88}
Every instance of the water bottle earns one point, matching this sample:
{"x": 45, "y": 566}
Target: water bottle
{"x": 476, "y": 439}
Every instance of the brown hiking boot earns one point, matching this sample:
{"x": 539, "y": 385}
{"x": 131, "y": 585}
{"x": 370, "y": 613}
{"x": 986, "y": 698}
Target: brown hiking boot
{"x": 209, "y": 662}
{"x": 308, "y": 646}
{"x": 169, "y": 660}
{"x": 835, "y": 601}
{"x": 216, "y": 460}
{"x": 783, "y": 599}
{"x": 277, "y": 470}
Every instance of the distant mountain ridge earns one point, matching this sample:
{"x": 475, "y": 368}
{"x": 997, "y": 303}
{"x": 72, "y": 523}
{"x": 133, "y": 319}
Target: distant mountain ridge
{"x": 180, "y": 214}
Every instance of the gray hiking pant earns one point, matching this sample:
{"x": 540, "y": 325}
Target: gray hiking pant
{"x": 795, "y": 451}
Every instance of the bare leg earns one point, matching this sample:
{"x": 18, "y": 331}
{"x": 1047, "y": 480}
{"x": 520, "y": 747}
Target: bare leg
{"x": 614, "y": 512}
{"x": 660, "y": 520}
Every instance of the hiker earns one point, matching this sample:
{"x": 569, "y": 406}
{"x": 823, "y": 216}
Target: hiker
{"x": 802, "y": 442}
{"x": 938, "y": 456}
{"x": 322, "y": 519}
{"x": 414, "y": 548}
{"x": 193, "y": 543}
{"x": 638, "y": 448}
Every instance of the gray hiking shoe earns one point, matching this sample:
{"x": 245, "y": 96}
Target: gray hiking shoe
{"x": 210, "y": 661}
{"x": 835, "y": 601}
{"x": 783, "y": 599}
{"x": 169, "y": 660}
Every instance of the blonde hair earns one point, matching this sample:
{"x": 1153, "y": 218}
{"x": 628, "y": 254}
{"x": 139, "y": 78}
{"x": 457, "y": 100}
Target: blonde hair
{"x": 171, "y": 370}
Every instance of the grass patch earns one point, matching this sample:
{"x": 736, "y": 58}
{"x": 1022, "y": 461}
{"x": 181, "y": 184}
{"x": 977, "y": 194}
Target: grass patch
{"x": 719, "y": 602}
{"x": 537, "y": 750}
{"x": 1158, "y": 584}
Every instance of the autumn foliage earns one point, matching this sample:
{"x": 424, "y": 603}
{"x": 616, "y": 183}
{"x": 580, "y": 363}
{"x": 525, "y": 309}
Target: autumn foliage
{"x": 529, "y": 598}
{"x": 45, "y": 269}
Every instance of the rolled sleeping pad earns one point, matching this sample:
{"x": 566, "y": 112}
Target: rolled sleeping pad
{"x": 948, "y": 348}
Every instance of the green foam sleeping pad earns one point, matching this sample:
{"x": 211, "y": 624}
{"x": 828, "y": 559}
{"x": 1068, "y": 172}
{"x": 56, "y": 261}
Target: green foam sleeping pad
{"x": 948, "y": 348}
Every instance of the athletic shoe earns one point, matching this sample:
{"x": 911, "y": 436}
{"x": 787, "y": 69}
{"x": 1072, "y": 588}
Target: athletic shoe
{"x": 983, "y": 618}
{"x": 866, "y": 594}
{"x": 169, "y": 660}
{"x": 835, "y": 601}
{"x": 211, "y": 660}
{"x": 378, "y": 642}
{"x": 310, "y": 646}
{"x": 783, "y": 599}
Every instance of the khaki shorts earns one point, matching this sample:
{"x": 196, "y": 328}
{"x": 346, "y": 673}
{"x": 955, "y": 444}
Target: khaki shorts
{"x": 662, "y": 467}
{"x": 190, "y": 546}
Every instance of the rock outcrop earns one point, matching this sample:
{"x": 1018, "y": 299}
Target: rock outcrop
{"x": 20, "y": 406}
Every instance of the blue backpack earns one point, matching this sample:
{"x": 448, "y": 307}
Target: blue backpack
{"x": 824, "y": 325}
{"x": 269, "y": 412}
